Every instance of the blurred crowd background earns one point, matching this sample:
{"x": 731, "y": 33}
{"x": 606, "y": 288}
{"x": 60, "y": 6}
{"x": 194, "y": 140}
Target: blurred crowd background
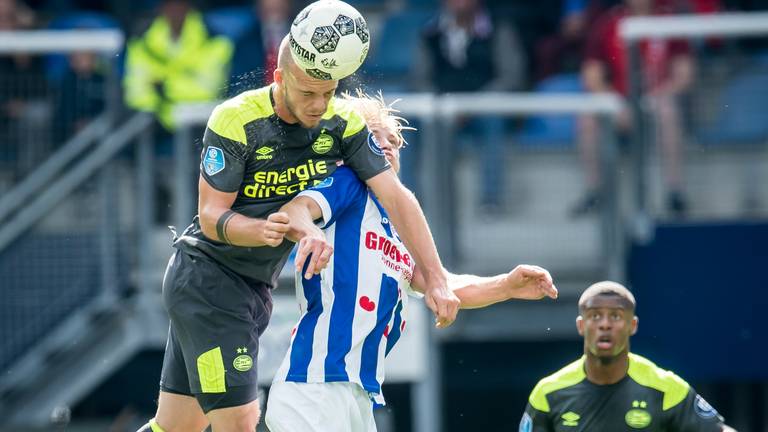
{"x": 87, "y": 189}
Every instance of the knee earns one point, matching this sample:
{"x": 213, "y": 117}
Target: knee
{"x": 239, "y": 419}
{"x": 249, "y": 420}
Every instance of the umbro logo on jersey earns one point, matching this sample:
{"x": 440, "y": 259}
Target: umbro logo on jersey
{"x": 570, "y": 419}
{"x": 264, "y": 153}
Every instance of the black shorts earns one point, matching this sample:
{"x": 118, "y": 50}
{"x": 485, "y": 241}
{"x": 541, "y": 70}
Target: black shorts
{"x": 216, "y": 319}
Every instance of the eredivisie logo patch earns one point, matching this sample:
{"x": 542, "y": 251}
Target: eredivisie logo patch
{"x": 213, "y": 162}
{"x": 373, "y": 144}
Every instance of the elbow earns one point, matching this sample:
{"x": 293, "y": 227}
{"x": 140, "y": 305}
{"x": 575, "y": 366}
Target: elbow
{"x": 394, "y": 201}
{"x": 208, "y": 219}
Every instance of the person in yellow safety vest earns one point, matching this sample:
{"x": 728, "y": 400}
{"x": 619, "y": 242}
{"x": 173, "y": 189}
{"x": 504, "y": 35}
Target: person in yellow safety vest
{"x": 175, "y": 60}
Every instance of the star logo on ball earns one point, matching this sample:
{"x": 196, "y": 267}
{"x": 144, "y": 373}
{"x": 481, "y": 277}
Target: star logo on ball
{"x": 367, "y": 304}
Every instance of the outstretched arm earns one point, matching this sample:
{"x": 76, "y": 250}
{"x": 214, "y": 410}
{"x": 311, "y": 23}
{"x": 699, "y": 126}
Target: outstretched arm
{"x": 525, "y": 282}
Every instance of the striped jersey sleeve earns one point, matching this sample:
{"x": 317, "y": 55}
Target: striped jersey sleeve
{"x": 336, "y": 193}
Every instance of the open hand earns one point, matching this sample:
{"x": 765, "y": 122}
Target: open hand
{"x": 529, "y": 282}
{"x": 317, "y": 250}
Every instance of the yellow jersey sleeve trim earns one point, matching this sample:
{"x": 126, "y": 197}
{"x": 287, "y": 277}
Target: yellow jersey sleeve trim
{"x": 647, "y": 374}
{"x": 565, "y": 377}
{"x": 230, "y": 117}
{"x": 343, "y": 109}
{"x": 210, "y": 368}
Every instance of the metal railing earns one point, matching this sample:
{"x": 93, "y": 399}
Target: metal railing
{"x": 62, "y": 240}
{"x": 726, "y": 27}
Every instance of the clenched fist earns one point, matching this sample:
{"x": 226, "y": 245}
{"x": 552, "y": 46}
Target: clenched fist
{"x": 276, "y": 226}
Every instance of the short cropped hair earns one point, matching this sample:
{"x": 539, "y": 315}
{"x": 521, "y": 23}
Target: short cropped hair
{"x": 607, "y": 288}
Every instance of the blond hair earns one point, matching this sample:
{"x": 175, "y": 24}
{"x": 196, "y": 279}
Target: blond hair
{"x": 378, "y": 113}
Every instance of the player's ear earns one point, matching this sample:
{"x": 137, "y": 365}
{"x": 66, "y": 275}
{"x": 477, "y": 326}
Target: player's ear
{"x": 580, "y": 325}
{"x": 277, "y": 76}
{"x": 635, "y": 322}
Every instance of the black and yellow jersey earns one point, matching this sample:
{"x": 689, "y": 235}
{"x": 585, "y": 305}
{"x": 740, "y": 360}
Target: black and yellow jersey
{"x": 647, "y": 399}
{"x": 248, "y": 149}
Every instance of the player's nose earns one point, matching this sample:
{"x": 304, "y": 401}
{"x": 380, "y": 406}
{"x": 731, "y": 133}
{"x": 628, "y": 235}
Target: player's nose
{"x": 318, "y": 106}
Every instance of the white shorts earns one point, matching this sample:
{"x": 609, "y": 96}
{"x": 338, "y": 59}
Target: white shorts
{"x": 319, "y": 407}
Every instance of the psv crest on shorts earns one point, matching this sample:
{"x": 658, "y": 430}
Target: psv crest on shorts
{"x": 213, "y": 162}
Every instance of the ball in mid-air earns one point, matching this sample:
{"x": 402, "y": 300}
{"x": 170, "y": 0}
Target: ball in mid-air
{"x": 329, "y": 39}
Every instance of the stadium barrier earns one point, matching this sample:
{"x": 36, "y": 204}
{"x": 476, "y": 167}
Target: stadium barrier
{"x": 77, "y": 229}
{"x": 730, "y": 83}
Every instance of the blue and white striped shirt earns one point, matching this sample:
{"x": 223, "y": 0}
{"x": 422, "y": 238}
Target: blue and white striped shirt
{"x": 353, "y": 313}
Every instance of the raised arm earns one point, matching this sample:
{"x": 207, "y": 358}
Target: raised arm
{"x": 525, "y": 282}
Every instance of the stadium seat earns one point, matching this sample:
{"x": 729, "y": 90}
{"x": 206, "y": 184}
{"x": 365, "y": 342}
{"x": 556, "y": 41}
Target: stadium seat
{"x": 741, "y": 116}
{"x": 552, "y": 130}
{"x": 394, "y": 50}
{"x": 57, "y": 63}
{"x": 231, "y": 21}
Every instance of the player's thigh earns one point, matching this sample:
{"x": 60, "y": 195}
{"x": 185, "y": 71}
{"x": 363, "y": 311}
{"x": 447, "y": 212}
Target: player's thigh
{"x": 217, "y": 318}
{"x": 362, "y": 410}
{"x": 179, "y": 413}
{"x": 319, "y": 407}
{"x": 243, "y": 418}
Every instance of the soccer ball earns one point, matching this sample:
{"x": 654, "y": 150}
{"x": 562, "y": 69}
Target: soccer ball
{"x": 329, "y": 40}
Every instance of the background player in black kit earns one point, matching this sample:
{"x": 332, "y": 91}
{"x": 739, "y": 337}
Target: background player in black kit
{"x": 260, "y": 149}
{"x": 610, "y": 389}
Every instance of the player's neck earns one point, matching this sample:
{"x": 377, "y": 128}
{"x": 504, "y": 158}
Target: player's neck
{"x": 281, "y": 109}
{"x": 603, "y": 371}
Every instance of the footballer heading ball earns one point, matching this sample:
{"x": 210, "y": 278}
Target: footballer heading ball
{"x": 329, "y": 39}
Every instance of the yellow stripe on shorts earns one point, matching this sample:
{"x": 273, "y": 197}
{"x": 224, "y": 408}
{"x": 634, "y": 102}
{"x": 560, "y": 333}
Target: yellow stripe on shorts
{"x": 210, "y": 368}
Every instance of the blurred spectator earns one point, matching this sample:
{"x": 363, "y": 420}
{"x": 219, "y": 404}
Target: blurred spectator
{"x": 666, "y": 73}
{"x": 691, "y": 6}
{"x": 255, "y": 57}
{"x": 81, "y": 93}
{"x": 176, "y": 59}
{"x": 465, "y": 49}
{"x": 24, "y": 109}
{"x": 563, "y": 51}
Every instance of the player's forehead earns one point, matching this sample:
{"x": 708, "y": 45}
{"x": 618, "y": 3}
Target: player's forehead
{"x": 303, "y": 82}
{"x": 606, "y": 302}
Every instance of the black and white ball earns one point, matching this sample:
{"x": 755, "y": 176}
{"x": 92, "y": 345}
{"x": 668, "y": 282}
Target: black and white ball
{"x": 329, "y": 39}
